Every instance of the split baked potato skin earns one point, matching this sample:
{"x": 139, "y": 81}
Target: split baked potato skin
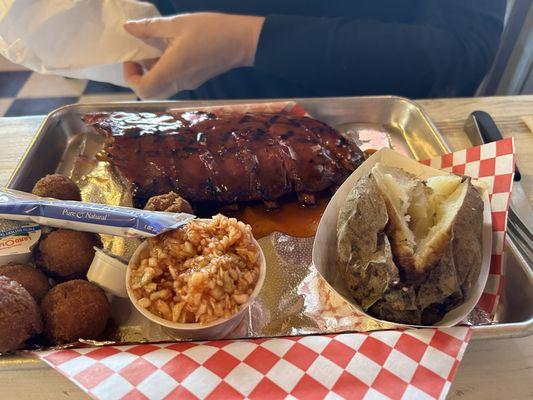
{"x": 467, "y": 249}
{"x": 363, "y": 250}
{"x": 378, "y": 259}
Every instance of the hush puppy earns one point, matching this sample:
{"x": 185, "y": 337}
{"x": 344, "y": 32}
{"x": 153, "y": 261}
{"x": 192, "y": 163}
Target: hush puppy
{"x": 33, "y": 280}
{"x": 66, "y": 254}
{"x": 20, "y": 317}
{"x": 58, "y": 187}
{"x": 74, "y": 310}
{"x": 169, "y": 202}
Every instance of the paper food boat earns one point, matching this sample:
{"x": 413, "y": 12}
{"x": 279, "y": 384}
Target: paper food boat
{"x": 325, "y": 244}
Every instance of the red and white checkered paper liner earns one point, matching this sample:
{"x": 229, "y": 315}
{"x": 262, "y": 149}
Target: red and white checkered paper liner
{"x": 379, "y": 365}
{"x": 414, "y": 363}
{"x": 492, "y": 163}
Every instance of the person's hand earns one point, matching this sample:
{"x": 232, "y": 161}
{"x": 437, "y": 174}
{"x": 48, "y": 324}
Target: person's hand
{"x": 200, "y": 47}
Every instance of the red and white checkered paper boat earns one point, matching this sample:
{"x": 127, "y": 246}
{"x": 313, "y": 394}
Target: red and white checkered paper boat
{"x": 415, "y": 363}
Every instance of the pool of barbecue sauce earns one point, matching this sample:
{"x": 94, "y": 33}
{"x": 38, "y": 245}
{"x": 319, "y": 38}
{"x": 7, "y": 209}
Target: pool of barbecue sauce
{"x": 292, "y": 217}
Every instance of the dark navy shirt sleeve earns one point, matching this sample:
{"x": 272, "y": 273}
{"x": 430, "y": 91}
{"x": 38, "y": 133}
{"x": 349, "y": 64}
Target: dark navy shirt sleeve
{"x": 444, "y": 49}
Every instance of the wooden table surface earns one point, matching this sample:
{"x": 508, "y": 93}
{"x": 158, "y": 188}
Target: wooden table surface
{"x": 491, "y": 369}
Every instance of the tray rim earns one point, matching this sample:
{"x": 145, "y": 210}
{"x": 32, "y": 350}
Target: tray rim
{"x": 489, "y": 331}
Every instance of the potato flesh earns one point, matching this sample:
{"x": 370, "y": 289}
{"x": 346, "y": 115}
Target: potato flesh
{"x": 427, "y": 210}
{"x": 421, "y": 215}
{"x": 443, "y": 185}
{"x": 399, "y": 193}
{"x": 446, "y": 207}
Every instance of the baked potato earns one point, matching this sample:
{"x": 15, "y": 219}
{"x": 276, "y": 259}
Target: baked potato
{"x": 409, "y": 250}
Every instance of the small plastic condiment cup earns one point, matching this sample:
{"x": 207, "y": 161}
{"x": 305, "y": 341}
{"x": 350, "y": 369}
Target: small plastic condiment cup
{"x": 107, "y": 271}
{"x": 17, "y": 240}
{"x": 113, "y": 275}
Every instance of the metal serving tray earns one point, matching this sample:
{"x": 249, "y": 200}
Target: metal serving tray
{"x": 62, "y": 137}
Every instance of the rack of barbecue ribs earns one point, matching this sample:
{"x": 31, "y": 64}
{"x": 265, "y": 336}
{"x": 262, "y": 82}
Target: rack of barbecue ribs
{"x": 226, "y": 158}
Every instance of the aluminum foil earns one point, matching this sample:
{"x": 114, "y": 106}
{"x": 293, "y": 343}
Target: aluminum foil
{"x": 99, "y": 182}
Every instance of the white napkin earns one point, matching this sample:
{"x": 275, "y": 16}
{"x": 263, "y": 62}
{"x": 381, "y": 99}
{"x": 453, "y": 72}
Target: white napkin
{"x": 76, "y": 38}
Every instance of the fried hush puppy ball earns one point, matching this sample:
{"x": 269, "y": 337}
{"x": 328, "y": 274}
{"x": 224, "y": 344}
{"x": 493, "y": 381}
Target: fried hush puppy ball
{"x": 58, "y": 187}
{"x": 74, "y": 310}
{"x": 33, "y": 280}
{"x": 20, "y": 317}
{"x": 169, "y": 202}
{"x": 66, "y": 254}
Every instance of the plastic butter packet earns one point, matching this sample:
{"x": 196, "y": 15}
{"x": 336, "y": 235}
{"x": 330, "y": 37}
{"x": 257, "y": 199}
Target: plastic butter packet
{"x": 88, "y": 217}
{"x": 17, "y": 240}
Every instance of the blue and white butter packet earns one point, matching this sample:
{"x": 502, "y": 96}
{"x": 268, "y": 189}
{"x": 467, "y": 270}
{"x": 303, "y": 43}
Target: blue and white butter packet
{"x": 88, "y": 217}
{"x": 17, "y": 240}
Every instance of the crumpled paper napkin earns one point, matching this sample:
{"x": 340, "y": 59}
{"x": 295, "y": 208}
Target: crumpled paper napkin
{"x": 81, "y": 39}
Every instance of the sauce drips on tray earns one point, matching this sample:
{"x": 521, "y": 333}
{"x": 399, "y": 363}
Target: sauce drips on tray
{"x": 292, "y": 218}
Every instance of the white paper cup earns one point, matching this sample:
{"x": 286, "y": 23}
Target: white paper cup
{"x": 325, "y": 244}
{"x": 113, "y": 276}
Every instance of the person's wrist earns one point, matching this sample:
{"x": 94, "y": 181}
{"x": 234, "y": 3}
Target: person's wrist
{"x": 251, "y": 31}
